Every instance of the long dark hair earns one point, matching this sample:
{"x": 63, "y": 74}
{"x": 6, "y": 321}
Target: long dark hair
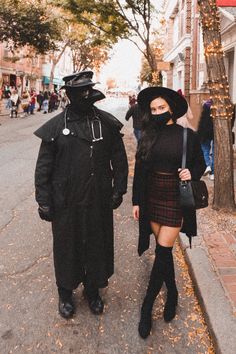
{"x": 150, "y": 131}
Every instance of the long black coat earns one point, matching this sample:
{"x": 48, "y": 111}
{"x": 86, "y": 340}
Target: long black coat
{"x": 205, "y": 128}
{"x": 195, "y": 163}
{"x": 77, "y": 177}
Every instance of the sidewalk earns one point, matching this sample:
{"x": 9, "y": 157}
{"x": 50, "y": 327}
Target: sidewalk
{"x": 3, "y": 110}
{"x": 5, "y": 113}
{"x": 212, "y": 266}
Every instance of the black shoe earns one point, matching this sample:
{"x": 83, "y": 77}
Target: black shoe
{"x": 95, "y": 303}
{"x": 170, "y": 308}
{"x": 66, "y": 308}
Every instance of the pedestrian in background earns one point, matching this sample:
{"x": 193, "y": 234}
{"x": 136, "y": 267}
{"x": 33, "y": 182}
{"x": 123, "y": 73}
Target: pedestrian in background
{"x": 187, "y": 119}
{"x": 132, "y": 100}
{"x": 7, "y": 95}
{"x": 45, "y": 102}
{"x": 25, "y": 103}
{"x": 206, "y": 136}
{"x": 39, "y": 100}
{"x": 135, "y": 112}
{"x": 80, "y": 177}
{"x": 33, "y": 98}
{"x": 15, "y": 101}
{"x": 156, "y": 191}
{"x": 52, "y": 105}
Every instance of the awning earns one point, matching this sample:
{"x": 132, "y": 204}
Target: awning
{"x": 56, "y": 81}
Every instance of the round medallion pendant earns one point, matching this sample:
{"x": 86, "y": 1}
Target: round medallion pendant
{"x": 66, "y": 131}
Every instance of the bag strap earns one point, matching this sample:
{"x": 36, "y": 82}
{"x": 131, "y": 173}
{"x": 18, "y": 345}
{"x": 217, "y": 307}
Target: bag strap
{"x": 185, "y": 131}
{"x": 185, "y": 135}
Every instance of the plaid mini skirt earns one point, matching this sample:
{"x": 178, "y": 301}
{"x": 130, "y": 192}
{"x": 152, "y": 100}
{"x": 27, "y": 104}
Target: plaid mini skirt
{"x": 163, "y": 199}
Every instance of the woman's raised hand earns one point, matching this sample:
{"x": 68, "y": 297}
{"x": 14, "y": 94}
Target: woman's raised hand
{"x": 184, "y": 174}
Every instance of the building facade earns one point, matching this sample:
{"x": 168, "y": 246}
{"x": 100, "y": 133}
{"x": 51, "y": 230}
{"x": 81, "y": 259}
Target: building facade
{"x": 178, "y": 46}
{"x": 185, "y": 51}
{"x": 228, "y": 35}
{"x": 20, "y": 70}
{"x": 26, "y": 71}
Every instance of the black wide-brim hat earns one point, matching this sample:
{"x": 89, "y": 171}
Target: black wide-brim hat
{"x": 150, "y": 93}
{"x": 80, "y": 79}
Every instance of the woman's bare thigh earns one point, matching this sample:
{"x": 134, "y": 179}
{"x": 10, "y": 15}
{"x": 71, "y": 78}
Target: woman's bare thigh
{"x": 165, "y": 235}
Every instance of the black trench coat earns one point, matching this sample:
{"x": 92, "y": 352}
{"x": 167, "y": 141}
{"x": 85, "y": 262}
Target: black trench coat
{"x": 77, "y": 177}
{"x": 195, "y": 163}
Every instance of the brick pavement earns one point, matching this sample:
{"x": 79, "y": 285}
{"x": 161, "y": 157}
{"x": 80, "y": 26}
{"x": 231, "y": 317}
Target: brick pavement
{"x": 220, "y": 242}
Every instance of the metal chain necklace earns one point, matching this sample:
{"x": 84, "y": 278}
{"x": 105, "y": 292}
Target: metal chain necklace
{"x": 96, "y": 123}
{"x": 65, "y": 131}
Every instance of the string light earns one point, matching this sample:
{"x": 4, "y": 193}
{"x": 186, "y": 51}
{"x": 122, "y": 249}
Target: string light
{"x": 218, "y": 86}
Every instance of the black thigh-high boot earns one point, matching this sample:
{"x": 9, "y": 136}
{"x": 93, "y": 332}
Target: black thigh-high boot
{"x": 172, "y": 293}
{"x": 154, "y": 287}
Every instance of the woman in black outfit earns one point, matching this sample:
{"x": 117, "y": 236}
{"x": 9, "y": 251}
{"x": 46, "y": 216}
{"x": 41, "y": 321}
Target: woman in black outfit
{"x": 156, "y": 194}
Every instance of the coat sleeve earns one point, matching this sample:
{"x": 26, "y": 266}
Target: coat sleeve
{"x": 43, "y": 173}
{"x": 139, "y": 183}
{"x": 129, "y": 113}
{"x": 198, "y": 165}
{"x": 119, "y": 165}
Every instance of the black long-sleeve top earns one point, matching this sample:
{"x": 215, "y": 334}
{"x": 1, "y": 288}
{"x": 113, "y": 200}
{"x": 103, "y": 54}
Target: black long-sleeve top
{"x": 166, "y": 157}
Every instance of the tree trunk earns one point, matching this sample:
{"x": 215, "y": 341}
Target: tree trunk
{"x": 221, "y": 108}
{"x": 55, "y": 60}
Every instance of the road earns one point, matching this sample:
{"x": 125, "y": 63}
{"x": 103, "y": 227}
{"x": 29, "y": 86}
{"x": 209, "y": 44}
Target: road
{"x": 29, "y": 321}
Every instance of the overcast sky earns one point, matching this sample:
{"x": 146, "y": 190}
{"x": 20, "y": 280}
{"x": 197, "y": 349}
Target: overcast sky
{"x": 124, "y": 65}
{"x": 125, "y": 62}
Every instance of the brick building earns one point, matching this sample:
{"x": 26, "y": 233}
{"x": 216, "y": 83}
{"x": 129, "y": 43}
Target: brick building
{"x": 18, "y": 70}
{"x": 185, "y": 52}
{"x": 33, "y": 71}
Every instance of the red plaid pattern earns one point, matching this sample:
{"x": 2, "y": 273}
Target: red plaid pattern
{"x": 163, "y": 199}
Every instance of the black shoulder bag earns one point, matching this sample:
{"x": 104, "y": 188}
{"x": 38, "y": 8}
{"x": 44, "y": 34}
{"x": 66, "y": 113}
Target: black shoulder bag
{"x": 193, "y": 194}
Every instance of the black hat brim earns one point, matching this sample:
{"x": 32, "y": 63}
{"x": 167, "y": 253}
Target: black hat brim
{"x": 79, "y": 85}
{"x": 150, "y": 93}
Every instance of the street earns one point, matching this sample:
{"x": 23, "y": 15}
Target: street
{"x": 29, "y": 320}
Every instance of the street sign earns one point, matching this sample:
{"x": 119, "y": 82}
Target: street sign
{"x": 162, "y": 65}
{"x": 225, "y": 3}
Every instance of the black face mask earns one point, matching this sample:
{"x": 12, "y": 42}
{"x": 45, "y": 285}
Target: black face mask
{"x": 161, "y": 119}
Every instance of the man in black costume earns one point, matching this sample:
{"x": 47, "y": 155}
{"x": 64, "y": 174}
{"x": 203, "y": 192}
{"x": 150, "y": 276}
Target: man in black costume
{"x": 80, "y": 177}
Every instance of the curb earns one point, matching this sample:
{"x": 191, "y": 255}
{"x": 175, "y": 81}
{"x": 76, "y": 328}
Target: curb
{"x": 215, "y": 305}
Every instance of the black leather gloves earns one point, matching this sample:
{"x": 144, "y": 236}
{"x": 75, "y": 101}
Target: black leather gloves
{"x": 45, "y": 212}
{"x": 116, "y": 200}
